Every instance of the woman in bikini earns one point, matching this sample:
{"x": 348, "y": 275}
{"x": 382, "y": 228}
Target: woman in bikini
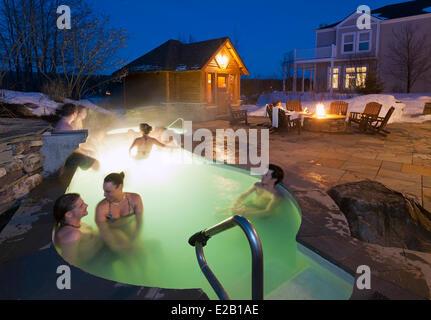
{"x": 119, "y": 216}
{"x": 145, "y": 143}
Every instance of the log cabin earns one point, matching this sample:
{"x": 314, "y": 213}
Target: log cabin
{"x": 206, "y": 73}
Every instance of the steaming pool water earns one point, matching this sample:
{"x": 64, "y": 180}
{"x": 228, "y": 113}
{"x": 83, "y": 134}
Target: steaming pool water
{"x": 180, "y": 199}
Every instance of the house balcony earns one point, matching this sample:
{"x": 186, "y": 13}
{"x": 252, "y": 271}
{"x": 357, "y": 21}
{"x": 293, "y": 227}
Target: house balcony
{"x": 312, "y": 55}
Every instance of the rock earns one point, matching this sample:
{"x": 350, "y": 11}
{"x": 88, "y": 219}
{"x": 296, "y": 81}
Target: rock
{"x": 12, "y": 166}
{"x": 31, "y": 105}
{"x": 26, "y": 185}
{"x": 382, "y": 216}
{"x": 33, "y": 162}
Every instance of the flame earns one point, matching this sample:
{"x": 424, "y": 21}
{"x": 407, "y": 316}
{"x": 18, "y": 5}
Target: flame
{"x": 320, "y": 111}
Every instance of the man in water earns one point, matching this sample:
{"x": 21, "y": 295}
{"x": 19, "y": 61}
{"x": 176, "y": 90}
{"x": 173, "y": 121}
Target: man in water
{"x": 265, "y": 199}
{"x": 82, "y": 157}
{"x": 68, "y": 113}
{"x": 77, "y": 241}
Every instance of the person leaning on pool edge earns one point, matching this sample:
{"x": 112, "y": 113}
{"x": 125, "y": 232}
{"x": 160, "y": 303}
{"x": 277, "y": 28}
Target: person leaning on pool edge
{"x": 266, "y": 197}
{"x": 76, "y": 240}
{"x": 120, "y": 215}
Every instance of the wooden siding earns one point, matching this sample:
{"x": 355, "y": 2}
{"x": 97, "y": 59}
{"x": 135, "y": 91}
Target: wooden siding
{"x": 145, "y": 88}
{"x": 187, "y": 86}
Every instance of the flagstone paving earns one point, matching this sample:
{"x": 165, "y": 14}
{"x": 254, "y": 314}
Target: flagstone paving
{"x": 401, "y": 161}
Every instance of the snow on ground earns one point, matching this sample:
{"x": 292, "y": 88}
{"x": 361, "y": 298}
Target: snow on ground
{"x": 408, "y": 107}
{"x": 45, "y": 106}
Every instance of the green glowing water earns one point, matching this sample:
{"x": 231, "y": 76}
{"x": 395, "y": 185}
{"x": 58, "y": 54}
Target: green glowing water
{"x": 180, "y": 200}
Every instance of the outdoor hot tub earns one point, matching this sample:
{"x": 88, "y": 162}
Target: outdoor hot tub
{"x": 183, "y": 194}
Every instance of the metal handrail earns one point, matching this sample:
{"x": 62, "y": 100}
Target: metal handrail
{"x": 179, "y": 119}
{"x": 199, "y": 240}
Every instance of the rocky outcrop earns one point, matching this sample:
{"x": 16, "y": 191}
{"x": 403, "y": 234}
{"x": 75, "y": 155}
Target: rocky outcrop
{"x": 382, "y": 216}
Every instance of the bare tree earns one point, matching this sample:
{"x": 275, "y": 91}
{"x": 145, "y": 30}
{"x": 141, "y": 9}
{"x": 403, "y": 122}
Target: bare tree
{"x": 409, "y": 57}
{"x": 46, "y": 54}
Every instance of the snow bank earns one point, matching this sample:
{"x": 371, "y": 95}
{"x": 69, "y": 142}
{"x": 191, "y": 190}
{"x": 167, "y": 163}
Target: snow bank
{"x": 44, "y": 105}
{"x": 408, "y": 107}
{"x": 357, "y": 104}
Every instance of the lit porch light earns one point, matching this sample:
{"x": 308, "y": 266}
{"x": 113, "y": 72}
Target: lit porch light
{"x": 222, "y": 60}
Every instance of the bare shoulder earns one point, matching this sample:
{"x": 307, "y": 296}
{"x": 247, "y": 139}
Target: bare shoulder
{"x": 258, "y": 185}
{"x": 133, "y": 196}
{"x": 67, "y": 236}
{"x": 101, "y": 207}
{"x": 102, "y": 204}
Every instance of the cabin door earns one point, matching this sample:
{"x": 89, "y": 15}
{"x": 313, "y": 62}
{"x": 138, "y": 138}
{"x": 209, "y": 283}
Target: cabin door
{"x": 223, "y": 99}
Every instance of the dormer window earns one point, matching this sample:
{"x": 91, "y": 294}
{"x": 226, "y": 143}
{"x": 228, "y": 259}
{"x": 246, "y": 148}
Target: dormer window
{"x": 348, "y": 42}
{"x": 364, "y": 41}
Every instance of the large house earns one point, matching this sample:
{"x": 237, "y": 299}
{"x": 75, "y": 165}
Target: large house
{"x": 345, "y": 54}
{"x": 206, "y": 73}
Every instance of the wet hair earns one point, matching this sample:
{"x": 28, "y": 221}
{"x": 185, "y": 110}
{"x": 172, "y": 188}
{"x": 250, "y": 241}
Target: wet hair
{"x": 145, "y": 128}
{"x": 64, "y": 204}
{"x": 277, "y": 173}
{"x": 81, "y": 108}
{"x": 67, "y": 109}
{"x": 115, "y": 178}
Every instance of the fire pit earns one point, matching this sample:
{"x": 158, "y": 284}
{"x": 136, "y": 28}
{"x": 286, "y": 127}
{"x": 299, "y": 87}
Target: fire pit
{"x": 320, "y": 121}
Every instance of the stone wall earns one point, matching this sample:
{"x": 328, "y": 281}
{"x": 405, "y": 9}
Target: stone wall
{"x": 21, "y": 164}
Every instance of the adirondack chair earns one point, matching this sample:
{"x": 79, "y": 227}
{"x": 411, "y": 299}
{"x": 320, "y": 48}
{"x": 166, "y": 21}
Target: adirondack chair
{"x": 338, "y": 107}
{"x": 378, "y": 125}
{"x": 372, "y": 110}
{"x": 238, "y": 116}
{"x": 294, "y": 105}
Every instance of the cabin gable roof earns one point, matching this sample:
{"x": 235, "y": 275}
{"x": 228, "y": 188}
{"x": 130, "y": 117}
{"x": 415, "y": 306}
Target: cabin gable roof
{"x": 174, "y": 55}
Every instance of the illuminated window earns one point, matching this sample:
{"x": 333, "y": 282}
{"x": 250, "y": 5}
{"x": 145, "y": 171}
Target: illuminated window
{"x": 335, "y": 77}
{"x": 221, "y": 81}
{"x": 210, "y": 87}
{"x": 355, "y": 77}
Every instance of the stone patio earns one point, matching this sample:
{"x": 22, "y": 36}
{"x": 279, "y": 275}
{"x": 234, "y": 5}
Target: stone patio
{"x": 401, "y": 161}
{"x": 314, "y": 162}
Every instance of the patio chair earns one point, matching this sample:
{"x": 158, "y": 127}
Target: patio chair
{"x": 378, "y": 125}
{"x": 372, "y": 110}
{"x": 294, "y": 105}
{"x": 338, "y": 107}
{"x": 238, "y": 116}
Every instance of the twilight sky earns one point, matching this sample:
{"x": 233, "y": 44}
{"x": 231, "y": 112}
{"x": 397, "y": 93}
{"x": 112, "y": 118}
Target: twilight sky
{"x": 265, "y": 29}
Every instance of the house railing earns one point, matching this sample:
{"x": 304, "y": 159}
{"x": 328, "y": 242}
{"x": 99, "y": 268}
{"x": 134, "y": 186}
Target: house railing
{"x": 315, "y": 53}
